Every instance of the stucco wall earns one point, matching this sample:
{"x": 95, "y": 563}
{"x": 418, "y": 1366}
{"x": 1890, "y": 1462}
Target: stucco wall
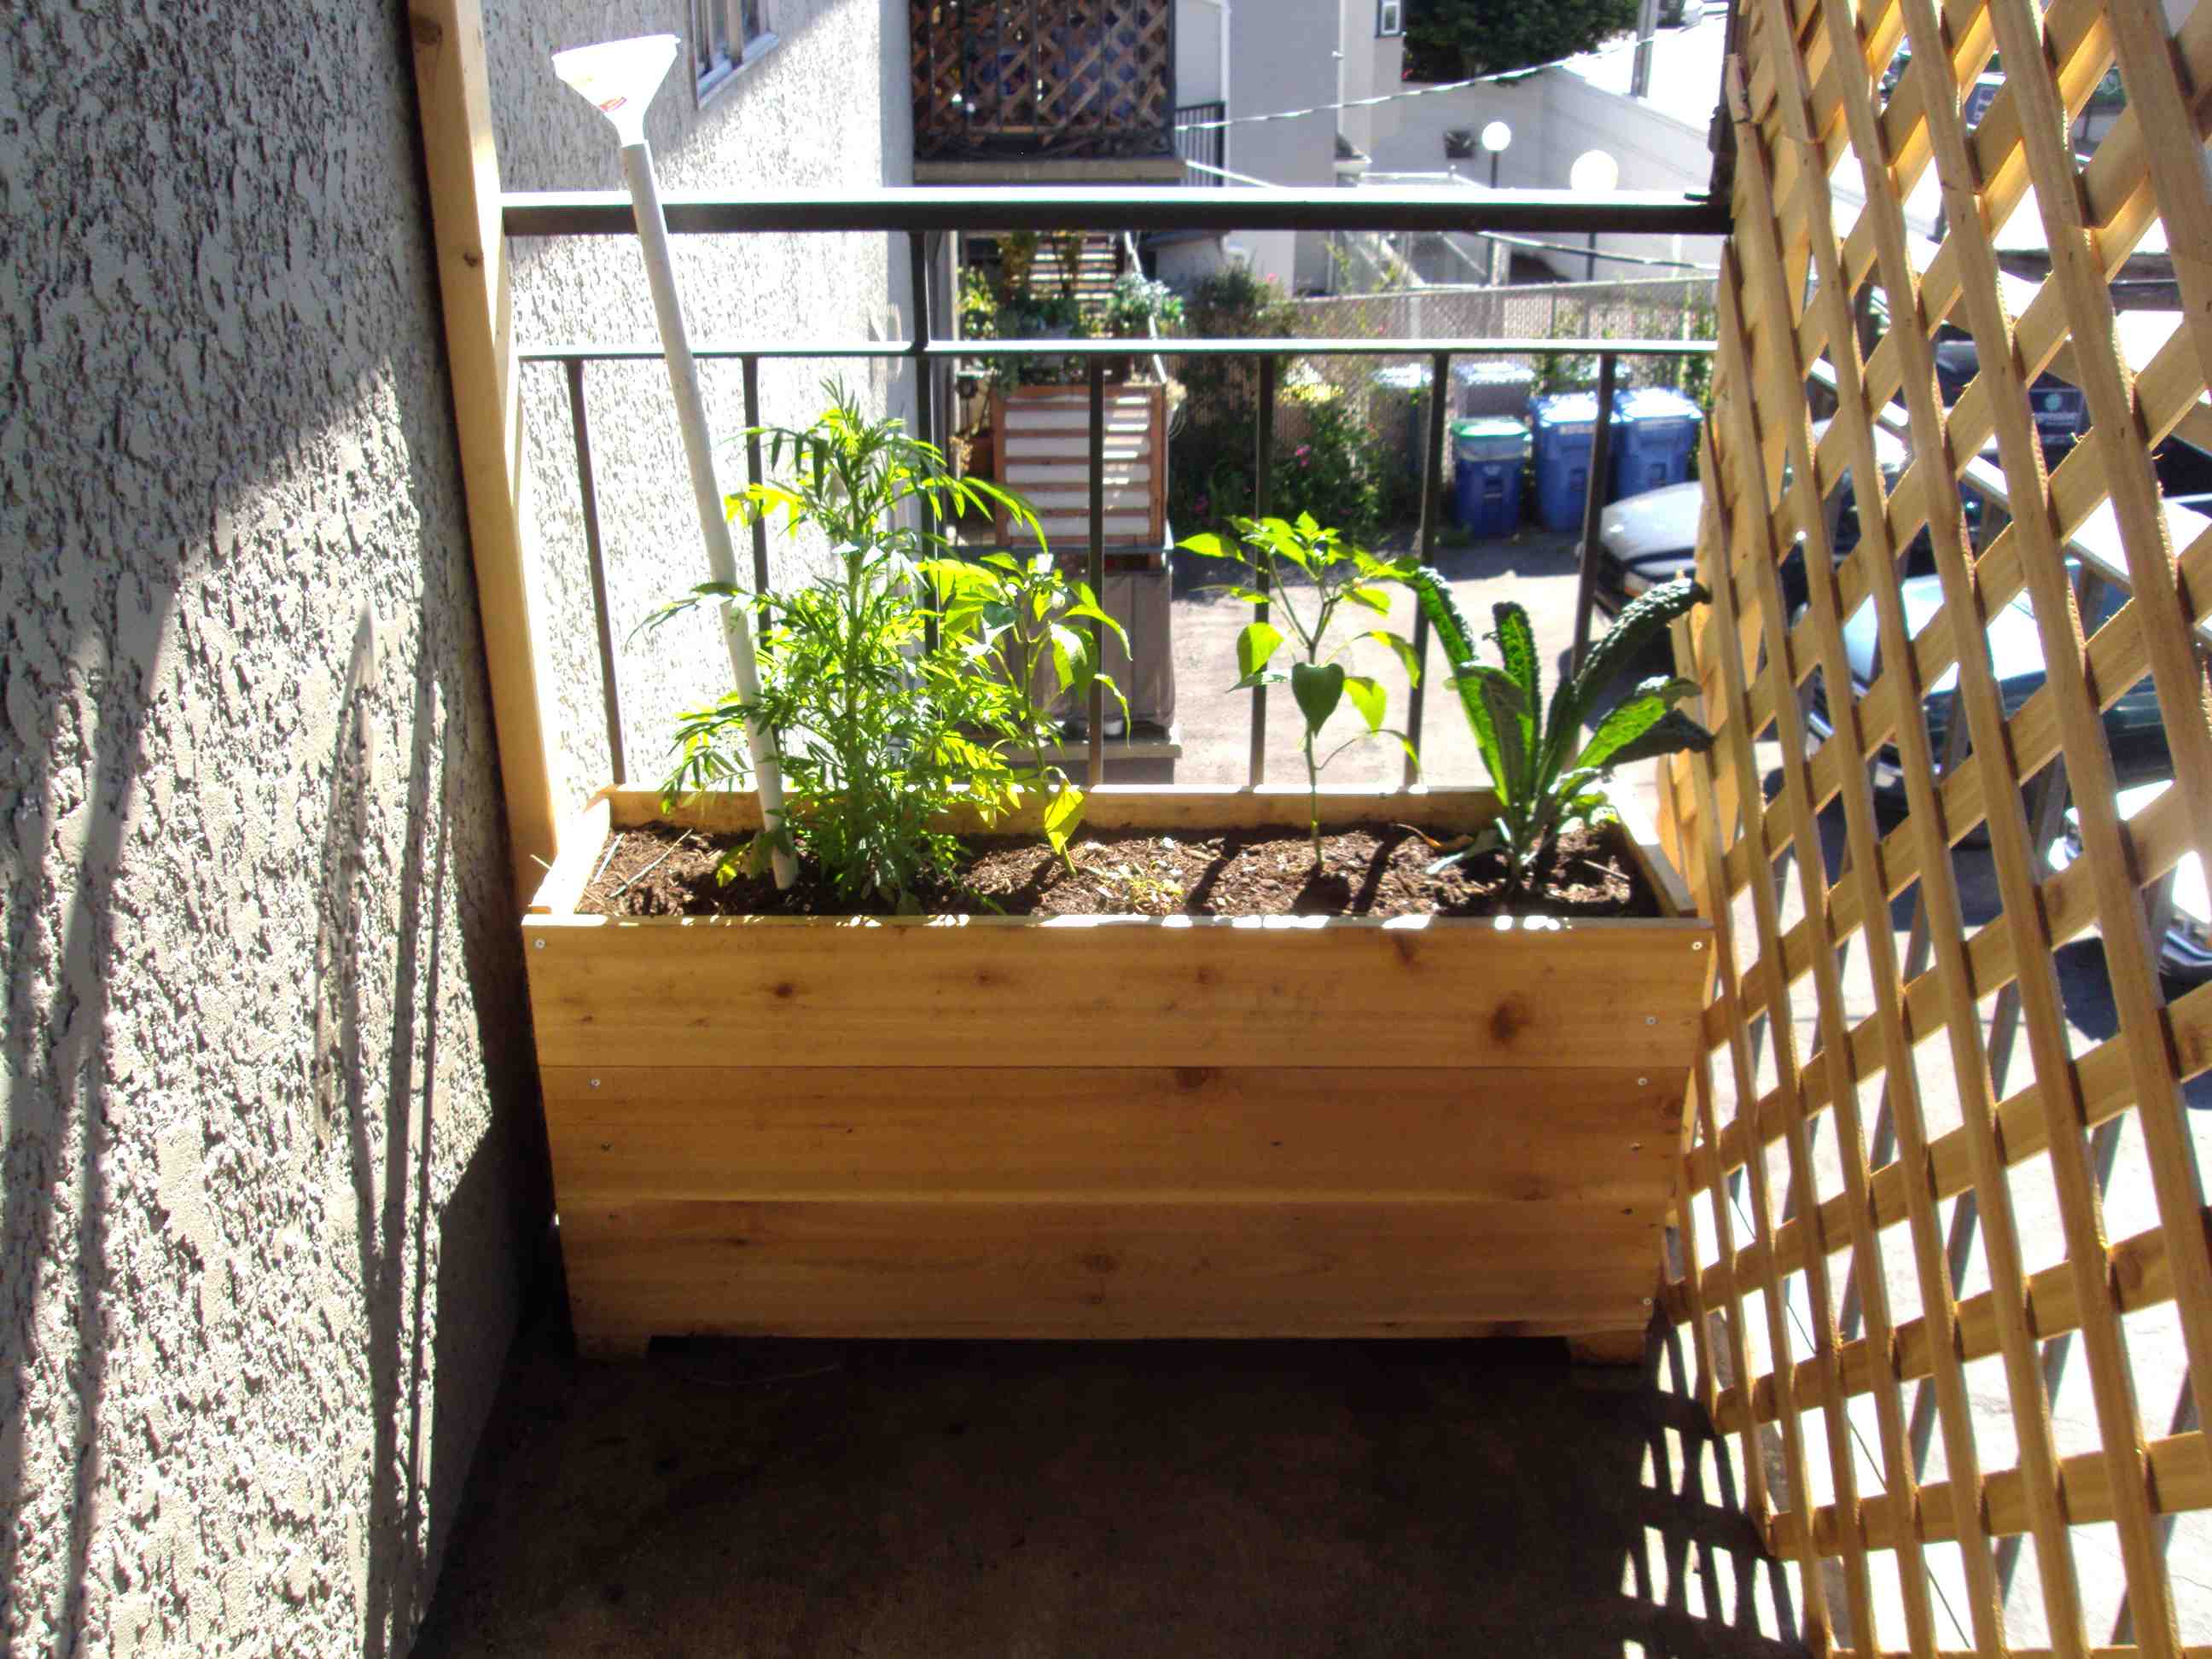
{"x": 269, "y": 1153}
{"x": 828, "y": 109}
{"x": 272, "y": 1169}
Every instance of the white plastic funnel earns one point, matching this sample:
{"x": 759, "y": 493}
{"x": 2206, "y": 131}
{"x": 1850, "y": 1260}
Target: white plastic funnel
{"x": 620, "y": 78}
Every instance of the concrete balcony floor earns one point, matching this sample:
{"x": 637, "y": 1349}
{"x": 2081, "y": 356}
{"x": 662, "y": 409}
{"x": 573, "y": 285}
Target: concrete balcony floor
{"x": 1277, "y": 1499}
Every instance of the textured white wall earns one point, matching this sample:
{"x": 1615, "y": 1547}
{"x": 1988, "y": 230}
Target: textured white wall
{"x": 268, "y": 1124}
{"x": 828, "y": 109}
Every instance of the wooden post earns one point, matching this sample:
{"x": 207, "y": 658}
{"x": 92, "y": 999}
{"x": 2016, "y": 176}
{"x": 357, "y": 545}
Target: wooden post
{"x": 462, "y": 162}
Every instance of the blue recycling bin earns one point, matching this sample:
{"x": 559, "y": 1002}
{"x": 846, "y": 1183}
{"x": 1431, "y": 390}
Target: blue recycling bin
{"x": 1487, "y": 455}
{"x": 1654, "y": 431}
{"x": 1565, "y": 424}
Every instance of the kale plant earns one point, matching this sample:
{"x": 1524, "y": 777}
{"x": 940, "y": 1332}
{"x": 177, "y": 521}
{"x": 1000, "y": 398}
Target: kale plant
{"x": 1336, "y": 574}
{"x": 1547, "y": 778}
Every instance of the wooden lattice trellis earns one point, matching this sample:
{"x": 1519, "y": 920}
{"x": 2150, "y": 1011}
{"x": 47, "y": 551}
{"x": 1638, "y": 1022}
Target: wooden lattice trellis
{"x": 1842, "y": 1304}
{"x": 1059, "y": 79}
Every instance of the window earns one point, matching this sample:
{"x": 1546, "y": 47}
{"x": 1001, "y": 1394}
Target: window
{"x": 1389, "y": 16}
{"x": 725, "y": 36}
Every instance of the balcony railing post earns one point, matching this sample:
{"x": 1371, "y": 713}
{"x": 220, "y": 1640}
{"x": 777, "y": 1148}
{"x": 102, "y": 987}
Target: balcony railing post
{"x": 1432, "y": 490}
{"x": 1096, "y": 769}
{"x": 1263, "y": 457}
{"x": 587, "y": 488}
{"x": 750, "y": 372}
{"x": 1601, "y": 462}
{"x": 925, "y": 414}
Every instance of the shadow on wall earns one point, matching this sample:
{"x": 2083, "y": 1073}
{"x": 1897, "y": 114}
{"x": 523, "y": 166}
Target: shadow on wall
{"x": 391, "y": 1161}
{"x": 329, "y": 402}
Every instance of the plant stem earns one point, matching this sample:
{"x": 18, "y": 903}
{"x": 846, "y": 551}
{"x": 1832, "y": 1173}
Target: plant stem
{"x": 1313, "y": 798}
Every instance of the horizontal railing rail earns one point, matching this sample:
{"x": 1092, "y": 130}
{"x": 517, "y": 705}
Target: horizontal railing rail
{"x": 1104, "y": 208}
{"x": 923, "y": 213}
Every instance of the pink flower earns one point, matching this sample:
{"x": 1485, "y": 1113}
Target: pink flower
{"x": 1304, "y": 450}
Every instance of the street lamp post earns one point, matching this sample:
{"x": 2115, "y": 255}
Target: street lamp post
{"x": 1594, "y": 174}
{"x": 1495, "y": 138}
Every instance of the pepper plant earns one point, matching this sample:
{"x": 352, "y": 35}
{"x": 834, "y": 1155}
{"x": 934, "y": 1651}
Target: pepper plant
{"x": 879, "y": 731}
{"x": 1546, "y": 777}
{"x": 1335, "y": 574}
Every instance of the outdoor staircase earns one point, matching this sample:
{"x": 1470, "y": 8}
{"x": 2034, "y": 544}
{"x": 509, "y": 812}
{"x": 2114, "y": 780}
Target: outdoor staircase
{"x": 1098, "y": 265}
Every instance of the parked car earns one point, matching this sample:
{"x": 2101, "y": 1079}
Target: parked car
{"x": 1644, "y": 541}
{"x": 1680, "y": 14}
{"x": 2184, "y": 949}
{"x": 2059, "y": 409}
{"x": 1978, "y": 98}
{"x": 2133, "y": 728}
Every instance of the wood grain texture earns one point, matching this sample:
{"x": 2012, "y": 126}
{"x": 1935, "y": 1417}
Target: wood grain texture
{"x": 1336, "y": 992}
{"x": 1272, "y": 1134}
{"x": 461, "y": 158}
{"x": 1166, "y": 1269}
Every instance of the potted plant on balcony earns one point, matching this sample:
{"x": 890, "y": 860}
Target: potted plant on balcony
{"x": 1131, "y": 1117}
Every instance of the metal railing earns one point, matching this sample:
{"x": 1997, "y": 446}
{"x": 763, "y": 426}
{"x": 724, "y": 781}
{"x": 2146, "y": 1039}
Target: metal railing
{"x": 1206, "y": 144}
{"x": 924, "y": 214}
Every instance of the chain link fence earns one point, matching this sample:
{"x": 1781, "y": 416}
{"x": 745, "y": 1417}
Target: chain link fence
{"x": 1387, "y": 394}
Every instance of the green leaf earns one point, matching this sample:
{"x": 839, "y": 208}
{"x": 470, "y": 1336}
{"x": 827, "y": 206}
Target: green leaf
{"x": 1504, "y": 698}
{"x": 1631, "y": 718}
{"x": 1373, "y": 598}
{"x": 1368, "y": 697}
{"x": 1402, "y": 648}
{"x": 1063, "y": 815}
{"x": 1618, "y": 647}
{"x": 1255, "y": 646}
{"x": 1673, "y": 732}
{"x": 1319, "y": 687}
{"x": 1516, "y": 649}
{"x": 1207, "y": 546}
{"x": 1084, "y": 608}
{"x": 1486, "y": 732}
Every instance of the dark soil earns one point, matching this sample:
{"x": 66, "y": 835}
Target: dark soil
{"x": 1369, "y": 870}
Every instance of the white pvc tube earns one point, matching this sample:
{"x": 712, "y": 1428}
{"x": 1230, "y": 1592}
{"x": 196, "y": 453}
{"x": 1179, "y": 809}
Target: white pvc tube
{"x": 621, "y": 78}
{"x": 706, "y": 487}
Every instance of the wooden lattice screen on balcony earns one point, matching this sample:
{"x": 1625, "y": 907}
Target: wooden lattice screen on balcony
{"x": 1894, "y": 1238}
{"x": 1042, "y": 79}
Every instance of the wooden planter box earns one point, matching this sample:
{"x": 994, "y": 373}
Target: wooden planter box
{"x": 1081, "y": 1126}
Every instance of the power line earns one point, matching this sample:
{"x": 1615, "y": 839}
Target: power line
{"x": 1509, "y": 241}
{"x": 1625, "y": 44}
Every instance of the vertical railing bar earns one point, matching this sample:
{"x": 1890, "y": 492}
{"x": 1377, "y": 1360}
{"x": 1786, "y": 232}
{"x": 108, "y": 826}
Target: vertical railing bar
{"x": 1097, "y": 767}
{"x": 750, "y": 369}
{"x": 1263, "y": 457}
{"x": 1593, "y": 505}
{"x": 1431, "y": 489}
{"x": 587, "y": 488}
{"x": 925, "y": 412}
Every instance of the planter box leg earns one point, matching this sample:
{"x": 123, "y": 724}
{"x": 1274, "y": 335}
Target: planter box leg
{"x": 1607, "y": 1348}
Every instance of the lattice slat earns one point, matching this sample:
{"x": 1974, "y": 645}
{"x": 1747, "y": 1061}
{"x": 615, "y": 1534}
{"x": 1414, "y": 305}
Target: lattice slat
{"x": 1909, "y": 1025}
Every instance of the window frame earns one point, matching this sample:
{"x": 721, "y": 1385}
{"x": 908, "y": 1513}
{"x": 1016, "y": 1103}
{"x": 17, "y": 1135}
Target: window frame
{"x": 717, "y": 27}
{"x": 1385, "y": 11}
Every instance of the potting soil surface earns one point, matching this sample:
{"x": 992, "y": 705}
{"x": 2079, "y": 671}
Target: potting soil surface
{"x": 1375, "y": 869}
